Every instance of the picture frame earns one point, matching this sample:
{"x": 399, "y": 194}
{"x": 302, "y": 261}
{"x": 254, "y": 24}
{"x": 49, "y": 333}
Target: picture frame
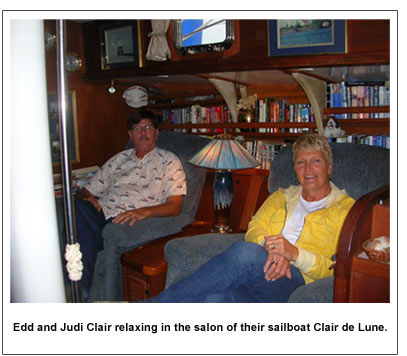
{"x": 120, "y": 45}
{"x": 306, "y": 37}
{"x": 54, "y": 130}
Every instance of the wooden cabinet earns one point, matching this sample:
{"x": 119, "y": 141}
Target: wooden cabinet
{"x": 145, "y": 268}
{"x": 358, "y": 279}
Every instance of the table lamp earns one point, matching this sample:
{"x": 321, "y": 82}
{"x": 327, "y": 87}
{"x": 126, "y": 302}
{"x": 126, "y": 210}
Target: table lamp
{"x": 223, "y": 154}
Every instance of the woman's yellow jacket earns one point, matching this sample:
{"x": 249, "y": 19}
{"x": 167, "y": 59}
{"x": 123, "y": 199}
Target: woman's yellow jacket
{"x": 318, "y": 240}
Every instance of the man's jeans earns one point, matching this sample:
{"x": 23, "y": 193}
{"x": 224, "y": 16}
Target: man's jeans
{"x": 235, "y": 276}
{"x": 89, "y": 227}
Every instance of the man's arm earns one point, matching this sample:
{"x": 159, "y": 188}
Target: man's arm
{"x": 85, "y": 194}
{"x": 171, "y": 207}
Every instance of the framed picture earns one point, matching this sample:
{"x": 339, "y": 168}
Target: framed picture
{"x": 121, "y": 45}
{"x": 299, "y": 37}
{"x": 54, "y": 129}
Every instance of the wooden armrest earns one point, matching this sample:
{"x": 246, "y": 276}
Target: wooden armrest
{"x": 356, "y": 229}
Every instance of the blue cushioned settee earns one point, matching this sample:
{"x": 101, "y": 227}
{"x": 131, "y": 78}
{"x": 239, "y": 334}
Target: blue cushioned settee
{"x": 107, "y": 283}
{"x": 359, "y": 169}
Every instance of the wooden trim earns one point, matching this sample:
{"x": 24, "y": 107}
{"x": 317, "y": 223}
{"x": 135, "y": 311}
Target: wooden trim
{"x": 357, "y": 110}
{"x": 240, "y": 125}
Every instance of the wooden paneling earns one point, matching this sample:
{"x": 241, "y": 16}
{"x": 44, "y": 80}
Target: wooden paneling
{"x": 102, "y": 117}
{"x": 368, "y": 43}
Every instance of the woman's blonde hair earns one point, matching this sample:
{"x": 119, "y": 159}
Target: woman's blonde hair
{"x": 311, "y": 142}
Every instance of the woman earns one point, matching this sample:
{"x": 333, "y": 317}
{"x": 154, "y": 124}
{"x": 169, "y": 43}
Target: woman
{"x": 289, "y": 242}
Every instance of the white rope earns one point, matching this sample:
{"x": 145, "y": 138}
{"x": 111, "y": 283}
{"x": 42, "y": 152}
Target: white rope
{"x": 74, "y": 264}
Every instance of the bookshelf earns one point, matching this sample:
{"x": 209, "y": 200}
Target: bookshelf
{"x": 274, "y": 119}
{"x": 368, "y": 122}
{"x": 362, "y": 110}
{"x": 369, "y": 118}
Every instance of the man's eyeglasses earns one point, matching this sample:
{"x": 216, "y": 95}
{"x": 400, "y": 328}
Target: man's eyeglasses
{"x": 148, "y": 128}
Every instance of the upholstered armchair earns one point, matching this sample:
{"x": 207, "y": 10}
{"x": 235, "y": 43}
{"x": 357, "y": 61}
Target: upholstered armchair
{"x": 357, "y": 168}
{"x": 107, "y": 283}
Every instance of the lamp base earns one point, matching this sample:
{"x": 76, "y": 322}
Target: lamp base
{"x": 222, "y": 198}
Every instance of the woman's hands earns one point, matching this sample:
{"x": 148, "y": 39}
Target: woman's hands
{"x": 276, "y": 267}
{"x": 278, "y": 244}
{"x": 281, "y": 252}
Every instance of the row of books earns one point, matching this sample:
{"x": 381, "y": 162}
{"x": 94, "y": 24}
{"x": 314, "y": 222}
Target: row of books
{"x": 372, "y": 140}
{"x": 265, "y": 111}
{"x": 347, "y": 95}
{"x": 263, "y": 151}
{"x": 281, "y": 111}
{"x": 197, "y": 114}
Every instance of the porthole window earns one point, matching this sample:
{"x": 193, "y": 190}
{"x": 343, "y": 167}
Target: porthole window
{"x": 197, "y": 36}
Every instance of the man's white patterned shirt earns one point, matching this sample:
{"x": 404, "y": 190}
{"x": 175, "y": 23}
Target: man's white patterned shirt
{"x": 126, "y": 182}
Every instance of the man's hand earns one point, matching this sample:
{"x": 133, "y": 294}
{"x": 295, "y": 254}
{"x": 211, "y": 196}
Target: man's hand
{"x": 95, "y": 203}
{"x": 171, "y": 207}
{"x": 132, "y": 216}
{"x": 85, "y": 194}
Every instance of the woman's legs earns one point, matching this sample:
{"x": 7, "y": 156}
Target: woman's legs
{"x": 236, "y": 274}
{"x": 261, "y": 291}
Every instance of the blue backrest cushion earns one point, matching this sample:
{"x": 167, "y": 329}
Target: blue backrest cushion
{"x": 357, "y": 168}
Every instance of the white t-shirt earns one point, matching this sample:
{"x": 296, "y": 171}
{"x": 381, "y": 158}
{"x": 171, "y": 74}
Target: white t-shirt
{"x": 126, "y": 182}
{"x": 293, "y": 227}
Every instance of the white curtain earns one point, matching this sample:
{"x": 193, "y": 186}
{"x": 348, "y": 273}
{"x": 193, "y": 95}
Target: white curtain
{"x": 158, "y": 49}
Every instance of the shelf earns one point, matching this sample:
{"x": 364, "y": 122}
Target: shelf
{"x": 239, "y": 125}
{"x": 232, "y": 127}
{"x": 368, "y": 126}
{"x": 357, "y": 110}
{"x": 186, "y": 103}
{"x": 369, "y": 267}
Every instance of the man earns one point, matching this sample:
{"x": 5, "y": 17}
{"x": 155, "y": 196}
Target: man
{"x": 132, "y": 185}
